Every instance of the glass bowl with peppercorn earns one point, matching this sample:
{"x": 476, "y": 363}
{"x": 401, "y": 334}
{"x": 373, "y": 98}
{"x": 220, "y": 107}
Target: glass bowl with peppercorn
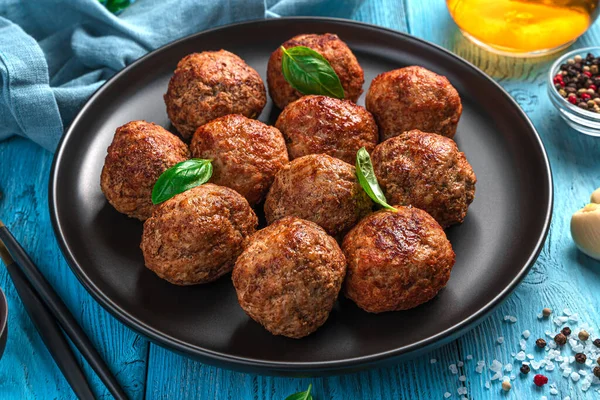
{"x": 574, "y": 89}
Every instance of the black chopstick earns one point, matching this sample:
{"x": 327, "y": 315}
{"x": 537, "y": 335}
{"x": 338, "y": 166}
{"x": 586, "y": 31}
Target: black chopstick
{"x": 61, "y": 313}
{"x": 49, "y": 331}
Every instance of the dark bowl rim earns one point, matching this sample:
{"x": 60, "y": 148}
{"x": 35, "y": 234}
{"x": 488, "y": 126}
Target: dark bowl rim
{"x": 3, "y": 317}
{"x": 268, "y": 367}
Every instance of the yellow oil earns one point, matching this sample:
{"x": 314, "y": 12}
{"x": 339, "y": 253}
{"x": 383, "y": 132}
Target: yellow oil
{"x": 524, "y": 26}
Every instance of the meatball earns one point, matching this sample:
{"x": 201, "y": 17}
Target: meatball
{"x": 427, "y": 171}
{"x": 413, "y": 98}
{"x": 321, "y": 189}
{"x": 196, "y": 236}
{"x": 209, "y": 85}
{"x": 139, "y": 153}
{"x": 246, "y": 154}
{"x": 321, "y": 124}
{"x": 289, "y": 277}
{"x": 335, "y": 51}
{"x": 396, "y": 260}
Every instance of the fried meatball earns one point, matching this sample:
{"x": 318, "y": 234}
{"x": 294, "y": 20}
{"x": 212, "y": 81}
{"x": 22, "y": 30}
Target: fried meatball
{"x": 289, "y": 277}
{"x": 209, "y": 85}
{"x": 427, "y": 171}
{"x": 246, "y": 154}
{"x": 396, "y": 260}
{"x": 321, "y": 189}
{"x": 139, "y": 153}
{"x": 335, "y": 51}
{"x": 321, "y": 124}
{"x": 196, "y": 236}
{"x": 413, "y": 98}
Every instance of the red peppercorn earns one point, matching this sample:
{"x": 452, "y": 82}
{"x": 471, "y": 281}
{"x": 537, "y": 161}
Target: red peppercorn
{"x": 585, "y": 96}
{"x": 572, "y": 99}
{"x": 593, "y": 87}
{"x": 587, "y": 73}
{"x": 540, "y": 380}
{"x": 558, "y": 79}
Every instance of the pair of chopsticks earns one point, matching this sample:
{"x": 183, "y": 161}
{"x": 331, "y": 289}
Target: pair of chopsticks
{"x": 49, "y": 314}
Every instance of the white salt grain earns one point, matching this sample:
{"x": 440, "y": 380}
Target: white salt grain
{"x": 500, "y": 339}
{"x": 526, "y": 334}
{"x": 496, "y": 376}
{"x": 523, "y": 344}
{"x": 530, "y": 356}
{"x": 447, "y": 394}
{"x": 553, "y": 391}
{"x": 462, "y": 378}
{"x": 432, "y": 361}
{"x": 543, "y": 398}
{"x": 496, "y": 366}
{"x": 462, "y": 390}
{"x": 479, "y": 369}
{"x": 574, "y": 318}
{"x": 469, "y": 357}
{"x": 508, "y": 367}
{"x": 575, "y": 376}
{"x": 567, "y": 312}
{"x": 487, "y": 384}
{"x": 567, "y": 398}
{"x": 460, "y": 364}
{"x": 520, "y": 356}
{"x": 453, "y": 369}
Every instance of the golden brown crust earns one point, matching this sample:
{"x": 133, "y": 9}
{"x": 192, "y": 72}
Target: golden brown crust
{"x": 426, "y": 171}
{"x": 139, "y": 153}
{"x": 289, "y": 276}
{"x": 413, "y": 98}
{"x": 321, "y": 124}
{"x": 209, "y": 85}
{"x": 321, "y": 189}
{"x": 196, "y": 236}
{"x": 396, "y": 261}
{"x": 334, "y": 50}
{"x": 246, "y": 154}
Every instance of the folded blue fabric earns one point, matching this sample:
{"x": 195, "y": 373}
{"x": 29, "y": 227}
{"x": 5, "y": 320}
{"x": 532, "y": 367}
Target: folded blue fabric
{"x": 55, "y": 53}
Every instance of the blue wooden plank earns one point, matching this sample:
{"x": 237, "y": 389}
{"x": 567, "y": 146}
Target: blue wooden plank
{"x": 27, "y": 371}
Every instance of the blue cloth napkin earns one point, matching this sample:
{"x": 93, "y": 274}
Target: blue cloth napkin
{"x": 55, "y": 53}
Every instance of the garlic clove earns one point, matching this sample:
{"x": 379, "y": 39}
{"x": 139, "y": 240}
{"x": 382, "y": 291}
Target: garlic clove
{"x": 595, "y": 196}
{"x": 585, "y": 230}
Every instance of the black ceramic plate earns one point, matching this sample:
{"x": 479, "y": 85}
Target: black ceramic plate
{"x": 495, "y": 246}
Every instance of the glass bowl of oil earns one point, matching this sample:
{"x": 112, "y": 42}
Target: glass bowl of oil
{"x": 523, "y": 28}
{"x": 582, "y": 120}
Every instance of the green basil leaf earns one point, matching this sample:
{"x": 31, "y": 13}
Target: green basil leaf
{"x": 301, "y": 395}
{"x": 309, "y": 72}
{"x": 181, "y": 177}
{"x": 368, "y": 180}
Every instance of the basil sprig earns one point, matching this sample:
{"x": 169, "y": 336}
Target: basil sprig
{"x": 301, "y": 395}
{"x": 309, "y": 72}
{"x": 368, "y": 180}
{"x": 181, "y": 177}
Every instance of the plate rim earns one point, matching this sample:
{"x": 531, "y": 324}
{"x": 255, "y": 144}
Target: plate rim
{"x": 264, "y": 366}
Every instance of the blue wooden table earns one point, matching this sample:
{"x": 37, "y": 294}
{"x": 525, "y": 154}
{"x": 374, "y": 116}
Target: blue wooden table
{"x": 561, "y": 278}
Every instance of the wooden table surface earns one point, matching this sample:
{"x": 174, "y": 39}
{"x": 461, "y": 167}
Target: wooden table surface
{"x": 561, "y": 278}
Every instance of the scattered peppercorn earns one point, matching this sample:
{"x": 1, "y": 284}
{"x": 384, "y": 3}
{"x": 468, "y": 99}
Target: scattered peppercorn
{"x": 596, "y": 342}
{"x": 506, "y": 386}
{"x": 583, "y": 335}
{"x": 560, "y": 339}
{"x": 540, "y": 380}
{"x": 546, "y": 311}
{"x": 525, "y": 369}
{"x": 597, "y": 371}
{"x": 581, "y": 77}
{"x": 598, "y": 360}
{"x": 580, "y": 358}
{"x": 566, "y": 331}
{"x": 541, "y": 343}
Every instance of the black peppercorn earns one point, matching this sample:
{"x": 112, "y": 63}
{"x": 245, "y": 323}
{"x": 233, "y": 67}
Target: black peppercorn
{"x": 580, "y": 358}
{"x": 566, "y": 330}
{"x": 598, "y": 360}
{"x": 541, "y": 343}
{"x": 560, "y": 339}
{"x": 597, "y": 371}
{"x": 525, "y": 369}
